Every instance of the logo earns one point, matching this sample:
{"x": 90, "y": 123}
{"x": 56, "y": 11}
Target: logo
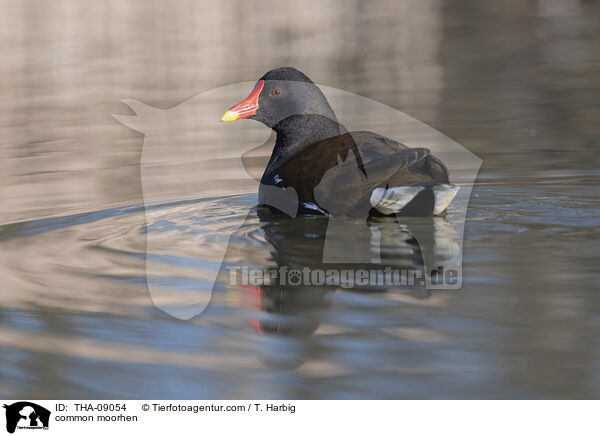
{"x": 188, "y": 146}
{"x": 26, "y": 415}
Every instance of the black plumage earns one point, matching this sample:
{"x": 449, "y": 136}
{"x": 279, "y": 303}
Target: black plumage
{"x": 332, "y": 170}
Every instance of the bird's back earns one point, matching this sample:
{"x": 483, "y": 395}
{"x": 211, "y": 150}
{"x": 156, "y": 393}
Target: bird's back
{"x": 340, "y": 174}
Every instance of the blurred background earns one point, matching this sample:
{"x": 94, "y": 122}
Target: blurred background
{"x": 515, "y": 82}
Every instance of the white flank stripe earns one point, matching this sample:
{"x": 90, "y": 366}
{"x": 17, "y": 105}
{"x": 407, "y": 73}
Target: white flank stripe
{"x": 392, "y": 200}
{"x": 312, "y": 206}
{"x": 444, "y": 194}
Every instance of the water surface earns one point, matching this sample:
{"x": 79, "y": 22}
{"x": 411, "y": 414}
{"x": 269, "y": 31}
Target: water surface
{"x": 517, "y": 86}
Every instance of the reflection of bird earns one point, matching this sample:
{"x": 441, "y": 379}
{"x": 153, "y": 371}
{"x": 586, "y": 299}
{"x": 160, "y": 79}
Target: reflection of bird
{"x": 295, "y": 309}
{"x": 310, "y": 142}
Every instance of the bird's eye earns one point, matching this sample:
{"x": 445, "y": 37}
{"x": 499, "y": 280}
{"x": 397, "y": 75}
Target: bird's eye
{"x": 276, "y": 92}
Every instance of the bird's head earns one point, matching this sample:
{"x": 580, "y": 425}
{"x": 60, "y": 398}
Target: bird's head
{"x": 278, "y": 95}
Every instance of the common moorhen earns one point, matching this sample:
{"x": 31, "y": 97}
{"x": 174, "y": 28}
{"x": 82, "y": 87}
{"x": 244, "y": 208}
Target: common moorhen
{"x": 329, "y": 170}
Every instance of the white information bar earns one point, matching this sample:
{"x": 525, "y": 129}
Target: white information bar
{"x": 249, "y": 417}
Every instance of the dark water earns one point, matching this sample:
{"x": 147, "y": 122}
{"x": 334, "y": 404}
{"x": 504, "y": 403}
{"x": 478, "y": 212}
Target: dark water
{"x": 524, "y": 325}
{"x": 517, "y": 86}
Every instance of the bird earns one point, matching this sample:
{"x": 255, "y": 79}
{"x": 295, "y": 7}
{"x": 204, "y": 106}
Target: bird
{"x": 317, "y": 167}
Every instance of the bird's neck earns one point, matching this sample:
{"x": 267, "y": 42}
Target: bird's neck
{"x": 296, "y": 133}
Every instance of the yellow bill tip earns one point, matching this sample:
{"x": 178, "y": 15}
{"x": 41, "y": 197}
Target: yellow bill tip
{"x": 230, "y": 116}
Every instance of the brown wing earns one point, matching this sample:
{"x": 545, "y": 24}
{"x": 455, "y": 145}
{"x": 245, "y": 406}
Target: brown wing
{"x": 382, "y": 161}
{"x": 345, "y": 190}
